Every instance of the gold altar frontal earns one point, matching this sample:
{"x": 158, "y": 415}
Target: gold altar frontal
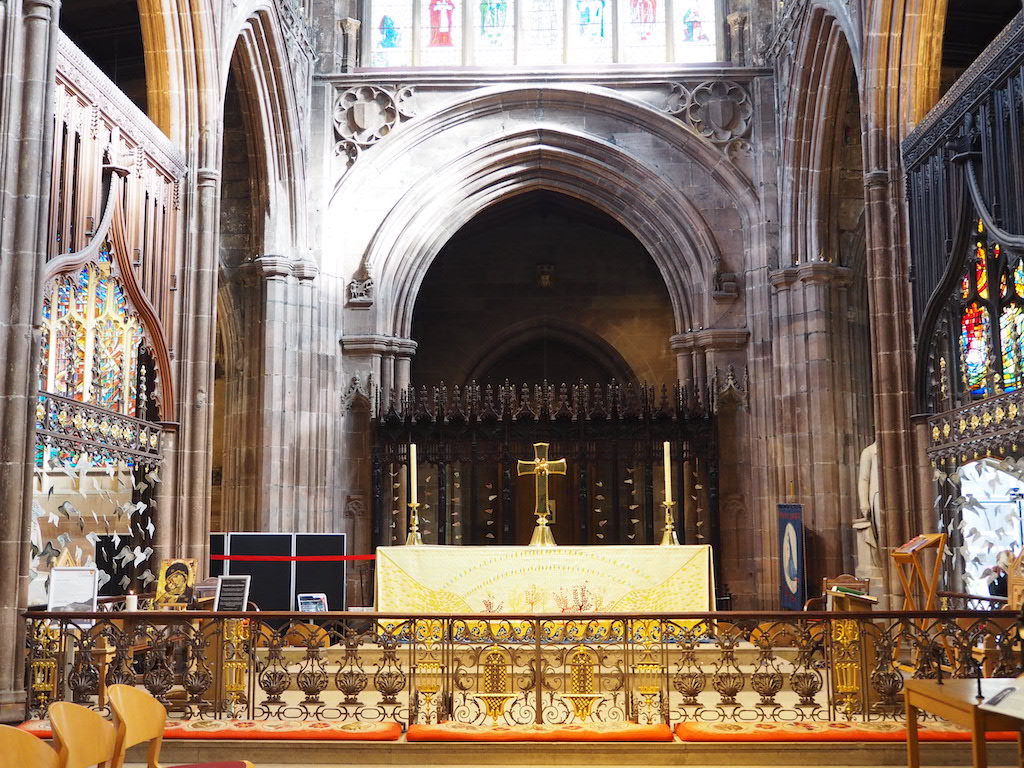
{"x": 606, "y": 579}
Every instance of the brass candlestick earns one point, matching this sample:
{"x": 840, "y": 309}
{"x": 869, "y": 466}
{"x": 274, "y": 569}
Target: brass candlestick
{"x": 668, "y": 534}
{"x": 414, "y": 539}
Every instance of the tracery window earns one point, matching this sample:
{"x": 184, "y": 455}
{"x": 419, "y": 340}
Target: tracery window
{"x": 496, "y": 33}
{"x": 991, "y": 331}
{"x": 92, "y": 343}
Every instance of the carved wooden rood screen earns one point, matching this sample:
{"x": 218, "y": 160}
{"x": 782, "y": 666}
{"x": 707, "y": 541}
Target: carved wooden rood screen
{"x": 965, "y": 165}
{"x": 469, "y": 439}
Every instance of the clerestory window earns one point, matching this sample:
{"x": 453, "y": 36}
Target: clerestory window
{"x": 502, "y": 33}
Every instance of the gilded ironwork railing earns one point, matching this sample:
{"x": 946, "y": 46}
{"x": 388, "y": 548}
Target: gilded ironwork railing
{"x": 514, "y": 668}
{"x": 73, "y": 426}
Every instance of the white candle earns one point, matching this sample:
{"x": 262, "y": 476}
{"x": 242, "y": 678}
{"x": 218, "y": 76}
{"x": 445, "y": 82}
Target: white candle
{"x": 668, "y": 472}
{"x": 131, "y": 602}
{"x": 412, "y": 473}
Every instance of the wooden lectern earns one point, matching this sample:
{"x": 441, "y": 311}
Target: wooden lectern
{"x": 919, "y": 588}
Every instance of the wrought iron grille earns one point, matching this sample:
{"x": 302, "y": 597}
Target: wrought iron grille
{"x": 514, "y": 669}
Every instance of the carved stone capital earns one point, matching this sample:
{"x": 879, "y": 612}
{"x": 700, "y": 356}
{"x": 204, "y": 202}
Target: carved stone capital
{"x": 811, "y": 272}
{"x": 378, "y": 344}
{"x": 710, "y": 339}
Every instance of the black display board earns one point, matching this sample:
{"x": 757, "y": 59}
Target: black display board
{"x": 321, "y": 576}
{"x": 285, "y": 571}
{"x": 217, "y": 541}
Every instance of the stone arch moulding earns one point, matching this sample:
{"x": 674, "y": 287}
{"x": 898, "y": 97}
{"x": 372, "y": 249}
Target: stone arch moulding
{"x": 824, "y": 55}
{"x": 278, "y": 105}
{"x": 570, "y": 158}
{"x": 518, "y": 334}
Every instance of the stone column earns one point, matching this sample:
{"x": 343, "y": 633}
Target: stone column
{"x": 197, "y": 342}
{"x": 404, "y": 351}
{"x": 349, "y": 44}
{"x": 26, "y": 140}
{"x": 893, "y": 354}
{"x": 818, "y": 468}
{"x": 684, "y": 368}
{"x": 716, "y": 348}
{"x": 287, "y": 433}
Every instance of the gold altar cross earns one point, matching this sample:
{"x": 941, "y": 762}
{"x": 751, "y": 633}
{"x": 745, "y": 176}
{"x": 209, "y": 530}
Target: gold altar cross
{"x": 540, "y": 468}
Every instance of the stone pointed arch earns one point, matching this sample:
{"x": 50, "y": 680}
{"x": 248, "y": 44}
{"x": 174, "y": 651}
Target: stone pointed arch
{"x": 587, "y": 142}
{"x": 822, "y": 68}
{"x": 668, "y": 225}
{"x": 273, "y": 86}
{"x": 532, "y": 331}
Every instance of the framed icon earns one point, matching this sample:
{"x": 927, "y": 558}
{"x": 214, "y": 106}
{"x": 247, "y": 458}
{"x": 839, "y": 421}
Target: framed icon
{"x": 176, "y": 584}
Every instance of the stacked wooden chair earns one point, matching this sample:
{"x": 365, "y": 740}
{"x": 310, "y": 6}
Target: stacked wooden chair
{"x": 84, "y": 738}
{"x": 21, "y": 748}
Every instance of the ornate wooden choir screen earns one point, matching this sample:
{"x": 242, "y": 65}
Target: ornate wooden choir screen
{"x": 965, "y": 178}
{"x": 468, "y": 441}
{"x": 104, "y": 377}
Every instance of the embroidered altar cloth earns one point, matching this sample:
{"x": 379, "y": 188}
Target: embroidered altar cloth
{"x": 594, "y": 579}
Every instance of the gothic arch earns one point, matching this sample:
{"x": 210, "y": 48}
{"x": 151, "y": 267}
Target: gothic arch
{"x": 822, "y": 70}
{"x": 275, "y": 107}
{"x": 578, "y": 161}
{"x": 521, "y": 334}
{"x": 664, "y": 222}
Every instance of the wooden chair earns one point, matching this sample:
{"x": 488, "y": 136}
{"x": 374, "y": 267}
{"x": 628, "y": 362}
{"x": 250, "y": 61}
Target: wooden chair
{"x": 83, "y": 738}
{"x": 139, "y": 717}
{"x": 21, "y": 748}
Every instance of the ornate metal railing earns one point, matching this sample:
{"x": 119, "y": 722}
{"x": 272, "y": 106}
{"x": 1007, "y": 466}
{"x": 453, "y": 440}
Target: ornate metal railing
{"x": 72, "y": 426}
{"x": 514, "y": 669}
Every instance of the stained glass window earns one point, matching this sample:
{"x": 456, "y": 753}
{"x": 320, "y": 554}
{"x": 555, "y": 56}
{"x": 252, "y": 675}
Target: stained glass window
{"x": 440, "y": 33}
{"x": 502, "y": 33}
{"x": 495, "y": 31}
{"x": 1011, "y": 333}
{"x": 590, "y": 32}
{"x": 975, "y": 343}
{"x": 91, "y": 340}
{"x": 542, "y": 31}
{"x": 695, "y": 29}
{"x": 645, "y": 32}
{"x": 391, "y": 34}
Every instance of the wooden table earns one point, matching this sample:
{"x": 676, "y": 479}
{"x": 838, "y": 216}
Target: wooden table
{"x": 956, "y": 701}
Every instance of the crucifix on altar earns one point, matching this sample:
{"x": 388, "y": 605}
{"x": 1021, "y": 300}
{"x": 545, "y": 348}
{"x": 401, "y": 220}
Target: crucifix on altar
{"x": 540, "y": 468}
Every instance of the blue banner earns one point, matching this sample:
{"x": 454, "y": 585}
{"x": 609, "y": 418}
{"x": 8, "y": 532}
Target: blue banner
{"x": 792, "y": 576}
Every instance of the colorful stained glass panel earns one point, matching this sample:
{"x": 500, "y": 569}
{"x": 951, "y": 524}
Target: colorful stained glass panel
{"x": 975, "y": 344}
{"x": 495, "y": 30}
{"x": 440, "y": 33}
{"x": 644, "y": 32}
{"x": 1011, "y": 331}
{"x": 590, "y": 32}
{"x": 695, "y": 31}
{"x": 391, "y": 34}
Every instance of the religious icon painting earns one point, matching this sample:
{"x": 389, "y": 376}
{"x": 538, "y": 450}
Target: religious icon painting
{"x": 176, "y": 584}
